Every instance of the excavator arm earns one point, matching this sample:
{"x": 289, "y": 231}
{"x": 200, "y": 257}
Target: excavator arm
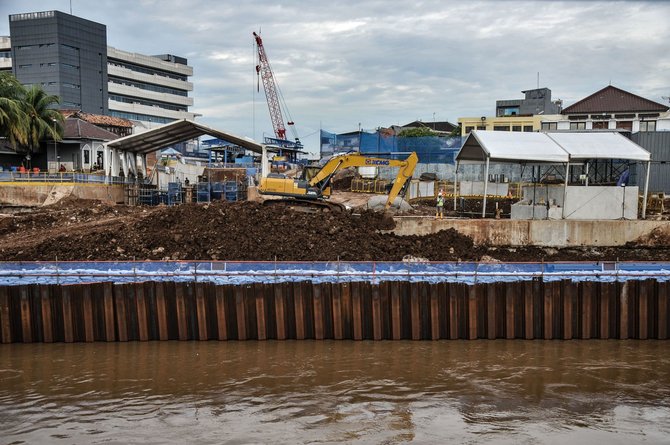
{"x": 323, "y": 177}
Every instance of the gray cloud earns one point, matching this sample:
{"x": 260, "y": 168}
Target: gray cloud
{"x": 387, "y": 62}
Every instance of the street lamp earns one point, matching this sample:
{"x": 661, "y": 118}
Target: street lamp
{"x": 55, "y": 145}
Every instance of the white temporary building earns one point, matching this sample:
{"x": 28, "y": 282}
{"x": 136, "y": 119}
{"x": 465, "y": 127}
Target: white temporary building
{"x": 548, "y": 148}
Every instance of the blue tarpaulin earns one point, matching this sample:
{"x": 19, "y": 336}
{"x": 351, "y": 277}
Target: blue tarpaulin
{"x": 225, "y": 272}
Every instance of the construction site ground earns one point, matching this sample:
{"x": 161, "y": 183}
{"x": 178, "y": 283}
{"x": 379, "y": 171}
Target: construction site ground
{"x": 86, "y": 230}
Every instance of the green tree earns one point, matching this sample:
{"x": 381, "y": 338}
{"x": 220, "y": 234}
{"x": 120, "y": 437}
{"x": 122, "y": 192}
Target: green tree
{"x": 43, "y": 120}
{"x": 417, "y": 132}
{"x": 13, "y": 119}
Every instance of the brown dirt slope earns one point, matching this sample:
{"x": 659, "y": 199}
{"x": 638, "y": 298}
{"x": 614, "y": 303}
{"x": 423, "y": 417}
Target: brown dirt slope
{"x": 76, "y": 230}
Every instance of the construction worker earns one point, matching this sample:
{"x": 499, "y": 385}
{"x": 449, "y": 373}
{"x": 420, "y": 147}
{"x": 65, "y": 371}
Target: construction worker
{"x": 440, "y": 205}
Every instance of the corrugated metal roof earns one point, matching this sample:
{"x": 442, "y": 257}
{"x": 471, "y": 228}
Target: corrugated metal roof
{"x": 174, "y": 132}
{"x": 614, "y": 100}
{"x": 76, "y": 128}
{"x": 98, "y": 119}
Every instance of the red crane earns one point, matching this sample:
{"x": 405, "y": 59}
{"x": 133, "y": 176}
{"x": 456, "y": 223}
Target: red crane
{"x": 265, "y": 72}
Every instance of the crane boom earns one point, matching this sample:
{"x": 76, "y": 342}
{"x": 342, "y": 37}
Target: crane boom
{"x": 263, "y": 69}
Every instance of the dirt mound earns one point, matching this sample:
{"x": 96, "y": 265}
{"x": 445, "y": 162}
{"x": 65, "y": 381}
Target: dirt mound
{"x": 251, "y": 232}
{"x": 659, "y": 237}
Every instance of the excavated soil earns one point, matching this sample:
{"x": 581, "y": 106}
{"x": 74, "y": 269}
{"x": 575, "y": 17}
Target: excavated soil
{"x": 85, "y": 230}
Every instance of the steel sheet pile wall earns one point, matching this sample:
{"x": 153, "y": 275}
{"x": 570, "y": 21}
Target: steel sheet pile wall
{"x": 347, "y": 310}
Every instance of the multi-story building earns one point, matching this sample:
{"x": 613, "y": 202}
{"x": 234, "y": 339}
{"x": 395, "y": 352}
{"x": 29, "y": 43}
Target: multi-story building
{"x": 5, "y": 54}
{"x": 70, "y": 58}
{"x": 537, "y": 101}
{"x": 65, "y": 54}
{"x": 524, "y": 114}
{"x": 148, "y": 90}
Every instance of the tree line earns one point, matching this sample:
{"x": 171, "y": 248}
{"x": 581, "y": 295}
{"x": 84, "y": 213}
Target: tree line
{"x": 27, "y": 115}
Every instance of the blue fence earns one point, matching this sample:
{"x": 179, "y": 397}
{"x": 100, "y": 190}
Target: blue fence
{"x": 429, "y": 149}
{"x": 228, "y": 272}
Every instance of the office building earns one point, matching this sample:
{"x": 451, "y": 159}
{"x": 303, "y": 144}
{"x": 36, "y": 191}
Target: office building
{"x": 70, "y": 58}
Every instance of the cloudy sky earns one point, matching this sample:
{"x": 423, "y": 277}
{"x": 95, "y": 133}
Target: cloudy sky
{"x": 379, "y": 63}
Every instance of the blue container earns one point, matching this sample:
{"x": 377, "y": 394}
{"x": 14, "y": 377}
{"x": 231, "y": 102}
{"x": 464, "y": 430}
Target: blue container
{"x": 231, "y": 186}
{"x": 203, "y": 190}
{"x": 231, "y": 196}
{"x": 217, "y": 190}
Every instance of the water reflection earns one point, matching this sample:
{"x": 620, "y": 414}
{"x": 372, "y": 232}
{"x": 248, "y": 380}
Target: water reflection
{"x": 327, "y": 391}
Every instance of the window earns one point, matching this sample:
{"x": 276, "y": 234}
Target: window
{"x": 549, "y": 126}
{"x": 87, "y": 156}
{"x": 468, "y": 129}
{"x": 516, "y": 127}
{"x": 600, "y": 125}
{"x": 501, "y": 128}
{"x": 69, "y": 48}
{"x": 647, "y": 125}
{"x": 577, "y": 125}
{"x": 481, "y": 127}
{"x": 625, "y": 125}
{"x": 528, "y": 128}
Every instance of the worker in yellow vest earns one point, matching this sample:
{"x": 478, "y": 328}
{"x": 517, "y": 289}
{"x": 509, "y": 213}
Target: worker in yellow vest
{"x": 440, "y": 205}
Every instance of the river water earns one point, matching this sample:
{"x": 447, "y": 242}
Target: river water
{"x": 336, "y": 391}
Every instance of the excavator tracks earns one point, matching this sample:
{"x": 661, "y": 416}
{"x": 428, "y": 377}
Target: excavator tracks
{"x": 306, "y": 205}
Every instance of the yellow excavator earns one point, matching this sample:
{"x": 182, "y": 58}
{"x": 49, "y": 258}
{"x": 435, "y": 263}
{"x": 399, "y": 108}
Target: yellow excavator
{"x": 315, "y": 189}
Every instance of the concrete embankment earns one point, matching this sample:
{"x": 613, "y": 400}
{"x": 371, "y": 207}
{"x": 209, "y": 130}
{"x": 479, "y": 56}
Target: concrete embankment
{"x": 32, "y": 194}
{"x": 547, "y": 233}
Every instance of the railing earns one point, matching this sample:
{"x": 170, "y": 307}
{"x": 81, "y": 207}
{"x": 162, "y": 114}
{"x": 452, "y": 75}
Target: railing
{"x": 83, "y": 178}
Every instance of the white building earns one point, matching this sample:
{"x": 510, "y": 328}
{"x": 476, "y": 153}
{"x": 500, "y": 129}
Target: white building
{"x": 148, "y": 90}
{"x": 611, "y": 108}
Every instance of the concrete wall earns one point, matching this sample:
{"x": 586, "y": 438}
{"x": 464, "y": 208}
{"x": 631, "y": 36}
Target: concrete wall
{"x": 476, "y": 188}
{"x": 560, "y": 233}
{"x": 30, "y": 195}
{"x": 593, "y": 202}
{"x": 601, "y": 202}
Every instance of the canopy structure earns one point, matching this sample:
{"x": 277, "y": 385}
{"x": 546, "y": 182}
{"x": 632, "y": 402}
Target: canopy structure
{"x": 550, "y": 148}
{"x": 129, "y": 148}
{"x": 513, "y": 147}
{"x": 601, "y": 145}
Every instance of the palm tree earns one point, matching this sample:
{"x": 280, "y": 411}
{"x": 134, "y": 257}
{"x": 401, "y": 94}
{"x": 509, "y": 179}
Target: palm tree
{"x": 42, "y": 117}
{"x": 13, "y": 120}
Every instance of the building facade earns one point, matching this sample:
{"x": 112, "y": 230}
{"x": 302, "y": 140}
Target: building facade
{"x": 149, "y": 90}
{"x": 611, "y": 108}
{"x": 66, "y": 55}
{"x": 537, "y": 101}
{"x": 70, "y": 58}
{"x": 523, "y": 115}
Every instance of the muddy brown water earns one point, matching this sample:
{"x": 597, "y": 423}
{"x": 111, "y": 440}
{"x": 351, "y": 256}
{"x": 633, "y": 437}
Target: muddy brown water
{"x": 336, "y": 392}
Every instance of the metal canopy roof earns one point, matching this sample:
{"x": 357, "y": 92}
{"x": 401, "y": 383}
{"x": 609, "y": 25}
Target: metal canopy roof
{"x": 556, "y": 148}
{"x": 175, "y": 132}
{"x": 600, "y": 145}
{"x": 505, "y": 146}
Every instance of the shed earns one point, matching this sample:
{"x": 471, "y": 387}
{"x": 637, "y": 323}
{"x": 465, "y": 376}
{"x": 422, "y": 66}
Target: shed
{"x": 551, "y": 148}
